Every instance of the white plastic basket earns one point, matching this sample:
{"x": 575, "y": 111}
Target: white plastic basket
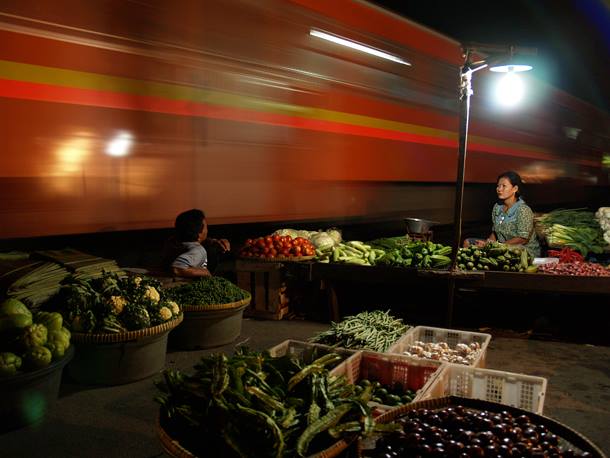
{"x": 307, "y": 352}
{"x": 412, "y": 373}
{"x": 517, "y": 390}
{"x": 436, "y": 335}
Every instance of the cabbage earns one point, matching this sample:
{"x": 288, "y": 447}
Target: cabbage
{"x": 290, "y": 232}
{"x": 323, "y": 241}
{"x": 335, "y": 234}
{"x": 306, "y": 234}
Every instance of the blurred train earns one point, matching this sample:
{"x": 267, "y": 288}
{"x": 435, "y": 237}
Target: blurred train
{"x": 118, "y": 114}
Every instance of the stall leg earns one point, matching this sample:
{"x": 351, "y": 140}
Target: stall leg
{"x": 333, "y": 301}
{"x": 450, "y": 300}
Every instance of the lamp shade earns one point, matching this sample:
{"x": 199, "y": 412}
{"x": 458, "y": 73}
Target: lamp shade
{"x": 503, "y": 67}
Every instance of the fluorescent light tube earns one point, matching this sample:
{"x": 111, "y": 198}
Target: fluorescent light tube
{"x": 357, "y": 46}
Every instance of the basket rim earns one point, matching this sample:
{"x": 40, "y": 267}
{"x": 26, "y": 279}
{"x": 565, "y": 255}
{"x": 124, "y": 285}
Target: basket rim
{"x": 173, "y": 447}
{"x": 214, "y": 307}
{"x": 83, "y": 337}
{"x": 565, "y": 432}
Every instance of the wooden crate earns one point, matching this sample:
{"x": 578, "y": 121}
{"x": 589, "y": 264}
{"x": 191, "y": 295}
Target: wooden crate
{"x": 265, "y": 282}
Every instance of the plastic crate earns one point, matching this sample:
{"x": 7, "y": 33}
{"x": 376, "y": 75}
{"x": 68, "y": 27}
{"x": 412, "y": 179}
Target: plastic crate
{"x": 307, "y": 352}
{"x": 412, "y": 373}
{"x": 517, "y": 390}
{"x": 436, "y": 335}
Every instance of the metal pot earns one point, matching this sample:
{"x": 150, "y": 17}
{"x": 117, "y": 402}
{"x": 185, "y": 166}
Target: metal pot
{"x": 419, "y": 226}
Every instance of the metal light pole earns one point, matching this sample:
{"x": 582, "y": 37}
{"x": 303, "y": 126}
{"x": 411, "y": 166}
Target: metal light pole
{"x": 504, "y": 64}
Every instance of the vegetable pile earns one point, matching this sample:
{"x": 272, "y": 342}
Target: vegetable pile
{"x": 113, "y": 304}
{"x": 581, "y": 269}
{"x": 390, "y": 395}
{"x": 375, "y": 331}
{"x": 495, "y": 256}
{"x": 576, "y": 229}
{"x": 253, "y": 405}
{"x": 29, "y": 342}
{"x": 391, "y": 251}
{"x": 602, "y": 215}
{"x": 207, "y": 291}
{"x": 321, "y": 239}
{"x": 566, "y": 255}
{"x": 416, "y": 253}
{"x": 352, "y": 252}
{"x": 274, "y": 246}
{"x": 440, "y": 351}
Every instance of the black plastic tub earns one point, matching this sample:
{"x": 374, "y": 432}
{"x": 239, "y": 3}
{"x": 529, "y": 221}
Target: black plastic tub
{"x": 208, "y": 328}
{"x": 27, "y": 397}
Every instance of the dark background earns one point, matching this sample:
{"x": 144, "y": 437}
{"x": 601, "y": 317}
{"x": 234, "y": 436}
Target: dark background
{"x": 572, "y": 36}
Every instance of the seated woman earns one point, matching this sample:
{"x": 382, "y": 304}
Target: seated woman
{"x": 184, "y": 253}
{"x": 513, "y": 220}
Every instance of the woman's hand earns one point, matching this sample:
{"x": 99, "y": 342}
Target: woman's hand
{"x": 222, "y": 243}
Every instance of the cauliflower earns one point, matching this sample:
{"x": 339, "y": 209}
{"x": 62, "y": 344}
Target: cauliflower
{"x": 165, "y": 313}
{"x": 175, "y": 308}
{"x": 118, "y": 304}
{"x": 152, "y": 294}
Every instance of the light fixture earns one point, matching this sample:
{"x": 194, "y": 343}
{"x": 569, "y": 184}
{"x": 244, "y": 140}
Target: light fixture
{"x": 357, "y": 46}
{"x": 120, "y": 145}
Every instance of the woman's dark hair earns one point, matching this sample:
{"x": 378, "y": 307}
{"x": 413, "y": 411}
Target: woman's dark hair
{"x": 515, "y": 180}
{"x": 189, "y": 224}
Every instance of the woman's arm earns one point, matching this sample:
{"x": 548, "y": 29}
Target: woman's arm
{"x": 516, "y": 241}
{"x": 191, "y": 272}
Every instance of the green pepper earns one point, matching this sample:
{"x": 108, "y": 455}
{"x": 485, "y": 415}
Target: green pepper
{"x": 14, "y": 315}
{"x": 58, "y": 342}
{"x": 53, "y": 321}
{"x": 38, "y": 357}
{"x": 14, "y": 307}
{"x": 9, "y": 363}
{"x": 34, "y": 335}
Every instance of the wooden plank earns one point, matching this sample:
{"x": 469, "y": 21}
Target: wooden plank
{"x": 542, "y": 283}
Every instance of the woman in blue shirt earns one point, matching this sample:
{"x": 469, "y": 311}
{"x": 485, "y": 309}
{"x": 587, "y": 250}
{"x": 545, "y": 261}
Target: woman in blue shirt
{"x": 512, "y": 219}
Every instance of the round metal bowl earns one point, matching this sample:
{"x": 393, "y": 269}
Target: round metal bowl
{"x": 418, "y": 225}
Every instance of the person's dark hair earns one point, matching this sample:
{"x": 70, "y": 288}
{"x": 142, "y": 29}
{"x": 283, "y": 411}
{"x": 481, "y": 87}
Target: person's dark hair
{"x": 189, "y": 224}
{"x": 515, "y": 180}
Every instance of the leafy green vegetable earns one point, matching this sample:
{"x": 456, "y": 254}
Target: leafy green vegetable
{"x": 207, "y": 291}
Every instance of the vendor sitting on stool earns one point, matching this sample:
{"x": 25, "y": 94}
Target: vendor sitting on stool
{"x": 184, "y": 254}
{"x": 513, "y": 220}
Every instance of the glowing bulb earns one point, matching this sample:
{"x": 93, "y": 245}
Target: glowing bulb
{"x": 509, "y": 91}
{"x": 120, "y": 145}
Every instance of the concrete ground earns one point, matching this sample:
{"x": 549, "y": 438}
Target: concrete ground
{"x": 119, "y": 421}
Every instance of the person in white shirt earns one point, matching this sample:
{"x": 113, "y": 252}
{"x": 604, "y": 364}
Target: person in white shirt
{"x": 186, "y": 254}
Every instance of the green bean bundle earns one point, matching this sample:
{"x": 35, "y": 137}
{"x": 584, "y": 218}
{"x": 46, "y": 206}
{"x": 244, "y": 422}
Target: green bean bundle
{"x": 375, "y": 331}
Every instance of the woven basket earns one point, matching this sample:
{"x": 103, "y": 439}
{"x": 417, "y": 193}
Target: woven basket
{"x": 173, "y": 448}
{"x": 210, "y": 307}
{"x": 564, "y": 432}
{"x": 102, "y": 338}
{"x": 279, "y": 259}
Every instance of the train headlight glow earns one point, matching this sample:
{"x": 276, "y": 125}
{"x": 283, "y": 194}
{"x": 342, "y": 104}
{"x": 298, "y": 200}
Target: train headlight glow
{"x": 120, "y": 145}
{"x": 510, "y": 90}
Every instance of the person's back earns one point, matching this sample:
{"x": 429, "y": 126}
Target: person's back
{"x": 184, "y": 254}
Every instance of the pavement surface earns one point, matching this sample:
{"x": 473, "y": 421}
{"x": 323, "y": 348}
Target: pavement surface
{"x": 119, "y": 421}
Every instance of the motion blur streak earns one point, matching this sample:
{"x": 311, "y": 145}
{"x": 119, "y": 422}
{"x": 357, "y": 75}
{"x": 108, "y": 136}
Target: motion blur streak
{"x": 235, "y": 108}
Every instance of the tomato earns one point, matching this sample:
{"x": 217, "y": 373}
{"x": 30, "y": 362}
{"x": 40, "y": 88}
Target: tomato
{"x": 276, "y": 238}
{"x": 272, "y": 253}
{"x": 268, "y": 239}
{"x": 309, "y": 251}
{"x": 260, "y": 243}
{"x": 297, "y": 250}
{"x": 266, "y": 250}
{"x": 286, "y": 252}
